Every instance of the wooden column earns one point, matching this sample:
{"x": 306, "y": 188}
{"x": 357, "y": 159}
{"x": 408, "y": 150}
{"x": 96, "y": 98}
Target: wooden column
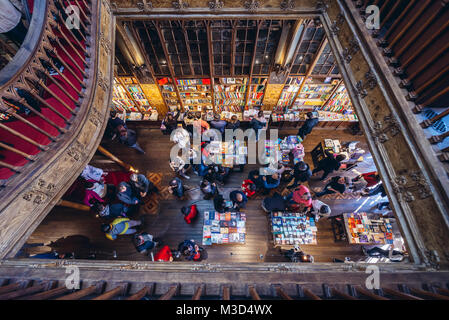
{"x": 47, "y": 294}
{"x": 428, "y": 294}
{"x": 23, "y": 292}
{"x": 198, "y": 292}
{"x": 259, "y": 23}
{"x": 139, "y": 294}
{"x": 170, "y": 293}
{"x": 343, "y": 295}
{"x": 226, "y": 293}
{"x": 281, "y": 293}
{"x": 14, "y": 286}
{"x": 369, "y": 294}
{"x": 83, "y": 292}
{"x": 309, "y": 294}
{"x": 253, "y": 293}
{"x": 120, "y": 290}
{"x": 400, "y": 295}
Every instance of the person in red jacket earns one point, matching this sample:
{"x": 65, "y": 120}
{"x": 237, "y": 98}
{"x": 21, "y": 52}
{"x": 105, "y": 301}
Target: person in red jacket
{"x": 164, "y": 254}
{"x": 190, "y": 213}
{"x": 249, "y": 187}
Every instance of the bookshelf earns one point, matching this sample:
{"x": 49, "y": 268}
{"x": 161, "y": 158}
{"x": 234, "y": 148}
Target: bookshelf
{"x": 339, "y": 102}
{"x": 195, "y": 94}
{"x": 256, "y": 90}
{"x": 313, "y": 95}
{"x": 288, "y": 93}
{"x": 135, "y": 91}
{"x": 230, "y": 94}
{"x": 169, "y": 93}
{"x": 121, "y": 100}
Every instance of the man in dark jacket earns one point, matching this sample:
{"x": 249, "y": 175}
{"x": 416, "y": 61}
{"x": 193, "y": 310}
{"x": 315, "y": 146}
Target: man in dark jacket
{"x": 126, "y": 195}
{"x": 238, "y": 198}
{"x": 301, "y": 173}
{"x": 218, "y": 124}
{"x": 170, "y": 123}
{"x": 144, "y": 242}
{"x": 336, "y": 185}
{"x": 141, "y": 185}
{"x": 329, "y": 164}
{"x": 114, "y": 123}
{"x": 234, "y": 124}
{"x": 129, "y": 138}
{"x": 254, "y": 176}
{"x": 311, "y": 122}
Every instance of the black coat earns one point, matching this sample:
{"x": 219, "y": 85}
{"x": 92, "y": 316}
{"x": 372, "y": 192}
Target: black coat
{"x": 307, "y": 127}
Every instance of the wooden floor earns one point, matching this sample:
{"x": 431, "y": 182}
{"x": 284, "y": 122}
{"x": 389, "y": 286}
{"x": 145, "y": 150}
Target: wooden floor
{"x": 170, "y": 225}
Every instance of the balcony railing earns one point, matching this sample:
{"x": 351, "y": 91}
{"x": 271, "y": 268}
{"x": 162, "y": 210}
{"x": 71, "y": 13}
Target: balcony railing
{"x": 42, "y": 88}
{"x": 413, "y": 36}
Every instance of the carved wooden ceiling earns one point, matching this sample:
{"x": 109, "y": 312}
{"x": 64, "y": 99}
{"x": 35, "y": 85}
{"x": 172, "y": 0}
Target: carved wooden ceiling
{"x": 232, "y": 48}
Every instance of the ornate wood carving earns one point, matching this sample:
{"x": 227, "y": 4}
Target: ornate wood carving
{"x": 251, "y": 5}
{"x": 337, "y": 24}
{"x": 322, "y": 5}
{"x": 102, "y": 81}
{"x": 216, "y": 5}
{"x": 414, "y": 182}
{"x": 145, "y": 5}
{"x": 180, "y": 5}
{"x": 106, "y": 43}
{"x": 287, "y": 5}
{"x": 350, "y": 51}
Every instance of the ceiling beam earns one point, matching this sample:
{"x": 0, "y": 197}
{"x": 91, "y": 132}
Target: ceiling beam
{"x": 170, "y": 66}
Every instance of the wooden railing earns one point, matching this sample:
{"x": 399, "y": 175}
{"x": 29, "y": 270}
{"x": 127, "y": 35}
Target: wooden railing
{"x": 19, "y": 289}
{"x": 42, "y": 88}
{"x": 54, "y": 100}
{"x": 413, "y": 36}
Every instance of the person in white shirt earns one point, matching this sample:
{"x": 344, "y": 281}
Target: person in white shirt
{"x": 320, "y": 210}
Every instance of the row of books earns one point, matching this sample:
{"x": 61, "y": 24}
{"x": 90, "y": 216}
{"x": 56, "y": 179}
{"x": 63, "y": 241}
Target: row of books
{"x": 187, "y": 82}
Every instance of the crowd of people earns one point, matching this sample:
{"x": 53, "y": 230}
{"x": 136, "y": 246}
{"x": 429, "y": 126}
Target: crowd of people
{"x": 117, "y": 205}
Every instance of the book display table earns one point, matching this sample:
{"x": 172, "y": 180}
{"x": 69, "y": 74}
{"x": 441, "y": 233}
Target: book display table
{"x": 368, "y": 229}
{"x": 292, "y": 228}
{"x": 222, "y": 228}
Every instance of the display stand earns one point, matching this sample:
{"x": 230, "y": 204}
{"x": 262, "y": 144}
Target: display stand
{"x": 223, "y": 228}
{"x": 292, "y": 228}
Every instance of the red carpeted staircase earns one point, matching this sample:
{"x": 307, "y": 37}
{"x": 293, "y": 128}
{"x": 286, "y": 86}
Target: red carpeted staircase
{"x": 57, "y": 101}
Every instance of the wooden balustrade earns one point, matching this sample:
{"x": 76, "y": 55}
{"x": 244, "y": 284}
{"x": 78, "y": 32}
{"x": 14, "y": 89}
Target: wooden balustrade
{"x": 253, "y": 293}
{"x": 48, "y": 289}
{"x": 170, "y": 293}
{"x": 45, "y": 81}
{"x": 281, "y": 293}
{"x": 408, "y": 44}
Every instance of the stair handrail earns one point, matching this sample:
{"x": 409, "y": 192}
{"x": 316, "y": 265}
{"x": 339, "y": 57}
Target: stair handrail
{"x": 30, "y": 45}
